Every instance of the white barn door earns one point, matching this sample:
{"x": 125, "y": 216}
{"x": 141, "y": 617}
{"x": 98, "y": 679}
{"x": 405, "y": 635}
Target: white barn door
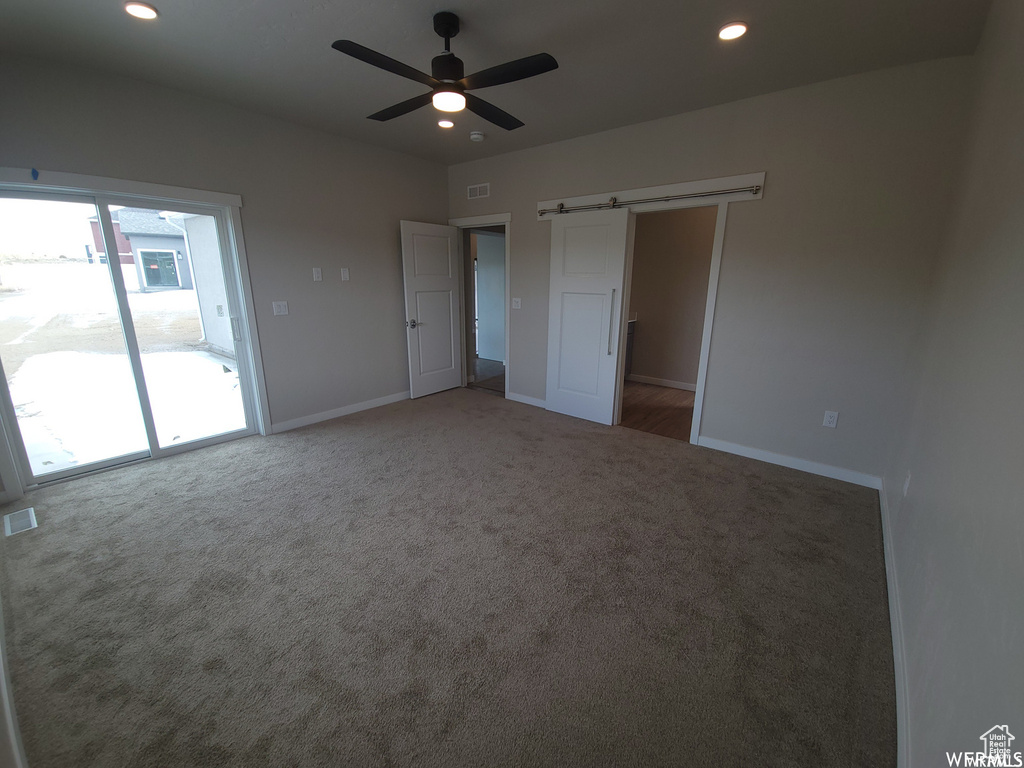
{"x": 430, "y": 260}
{"x": 588, "y": 265}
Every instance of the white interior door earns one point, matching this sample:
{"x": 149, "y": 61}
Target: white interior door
{"x": 430, "y": 260}
{"x": 588, "y": 265}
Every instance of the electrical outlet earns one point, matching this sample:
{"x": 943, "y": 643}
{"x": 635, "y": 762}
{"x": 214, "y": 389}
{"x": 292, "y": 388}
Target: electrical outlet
{"x": 831, "y": 419}
{"x": 906, "y": 485}
{"x": 517, "y": 303}
{"x": 344, "y": 273}
{"x": 280, "y": 307}
{"x": 220, "y": 310}
{"x": 318, "y": 274}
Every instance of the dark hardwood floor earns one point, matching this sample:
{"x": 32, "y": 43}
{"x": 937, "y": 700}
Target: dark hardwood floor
{"x": 659, "y": 410}
{"x": 489, "y": 375}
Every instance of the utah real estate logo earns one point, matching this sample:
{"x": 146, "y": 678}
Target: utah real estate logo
{"x": 997, "y": 751}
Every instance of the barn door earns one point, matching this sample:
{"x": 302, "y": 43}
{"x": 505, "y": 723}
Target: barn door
{"x": 588, "y": 263}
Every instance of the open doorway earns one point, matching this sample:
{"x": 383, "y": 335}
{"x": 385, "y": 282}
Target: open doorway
{"x": 485, "y": 268}
{"x": 671, "y": 267}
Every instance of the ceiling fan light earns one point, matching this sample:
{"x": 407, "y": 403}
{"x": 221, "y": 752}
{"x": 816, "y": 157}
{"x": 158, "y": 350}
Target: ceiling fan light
{"x": 732, "y": 30}
{"x": 141, "y": 10}
{"x": 449, "y": 101}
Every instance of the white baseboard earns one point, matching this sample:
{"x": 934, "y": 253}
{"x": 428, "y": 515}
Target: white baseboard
{"x": 12, "y": 752}
{"x": 661, "y": 382}
{"x": 825, "y": 470}
{"x": 899, "y": 660}
{"x": 305, "y": 421}
{"x": 536, "y": 402}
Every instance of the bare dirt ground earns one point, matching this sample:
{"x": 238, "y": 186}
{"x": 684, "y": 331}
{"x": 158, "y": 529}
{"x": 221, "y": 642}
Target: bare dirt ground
{"x": 69, "y": 307}
{"x": 64, "y": 333}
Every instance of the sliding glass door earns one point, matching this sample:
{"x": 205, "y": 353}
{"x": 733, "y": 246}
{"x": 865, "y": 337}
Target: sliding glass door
{"x": 179, "y": 307}
{"x": 119, "y": 336}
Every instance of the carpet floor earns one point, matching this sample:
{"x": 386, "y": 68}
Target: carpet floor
{"x": 459, "y": 580}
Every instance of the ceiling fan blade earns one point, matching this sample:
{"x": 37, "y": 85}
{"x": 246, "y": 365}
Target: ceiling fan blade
{"x": 519, "y": 69}
{"x": 491, "y": 113}
{"x": 402, "y": 108}
{"x": 363, "y": 53}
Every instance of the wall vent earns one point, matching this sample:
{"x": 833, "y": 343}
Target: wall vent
{"x": 478, "y": 190}
{"x": 22, "y": 520}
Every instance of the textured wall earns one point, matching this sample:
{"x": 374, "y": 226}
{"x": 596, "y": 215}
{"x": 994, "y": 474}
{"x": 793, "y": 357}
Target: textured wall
{"x": 671, "y": 264}
{"x": 958, "y": 535}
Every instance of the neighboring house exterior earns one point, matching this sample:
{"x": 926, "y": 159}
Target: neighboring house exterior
{"x": 162, "y": 250}
{"x": 155, "y": 247}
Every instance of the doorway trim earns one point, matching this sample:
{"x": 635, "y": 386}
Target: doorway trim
{"x": 669, "y": 197}
{"x": 489, "y": 220}
{"x": 103, "y": 191}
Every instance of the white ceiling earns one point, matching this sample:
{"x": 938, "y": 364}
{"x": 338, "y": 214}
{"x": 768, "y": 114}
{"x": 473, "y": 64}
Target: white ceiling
{"x": 620, "y": 63}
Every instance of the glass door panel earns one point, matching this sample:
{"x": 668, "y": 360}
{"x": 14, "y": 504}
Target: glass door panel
{"x": 174, "y": 277}
{"x": 61, "y": 341}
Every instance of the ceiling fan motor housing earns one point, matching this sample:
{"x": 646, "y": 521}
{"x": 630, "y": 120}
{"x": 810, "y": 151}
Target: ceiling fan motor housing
{"x": 447, "y": 67}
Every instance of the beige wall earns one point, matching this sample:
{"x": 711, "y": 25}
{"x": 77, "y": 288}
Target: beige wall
{"x": 958, "y": 536}
{"x": 310, "y": 200}
{"x": 671, "y": 264}
{"x": 822, "y": 281}
{"x": 490, "y": 288}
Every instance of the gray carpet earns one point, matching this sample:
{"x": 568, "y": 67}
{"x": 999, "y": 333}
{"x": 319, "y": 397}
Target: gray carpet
{"x": 454, "y": 581}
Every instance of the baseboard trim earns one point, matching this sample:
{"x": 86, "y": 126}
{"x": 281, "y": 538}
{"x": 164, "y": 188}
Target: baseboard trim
{"x": 899, "y": 659}
{"x": 12, "y": 751}
{"x": 305, "y": 421}
{"x": 661, "y": 382}
{"x": 535, "y": 402}
{"x": 825, "y": 470}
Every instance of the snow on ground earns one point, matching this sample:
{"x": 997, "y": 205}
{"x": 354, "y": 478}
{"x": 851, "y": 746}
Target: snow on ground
{"x": 73, "y": 390}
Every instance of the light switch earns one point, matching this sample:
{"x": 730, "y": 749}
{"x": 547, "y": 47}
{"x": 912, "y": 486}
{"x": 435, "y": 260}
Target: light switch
{"x": 280, "y": 307}
{"x": 517, "y": 303}
{"x": 344, "y": 273}
{"x": 318, "y": 274}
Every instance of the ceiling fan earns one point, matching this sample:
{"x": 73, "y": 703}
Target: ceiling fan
{"x": 447, "y": 80}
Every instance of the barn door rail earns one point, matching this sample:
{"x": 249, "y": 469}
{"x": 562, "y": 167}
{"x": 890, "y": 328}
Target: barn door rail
{"x": 614, "y": 202}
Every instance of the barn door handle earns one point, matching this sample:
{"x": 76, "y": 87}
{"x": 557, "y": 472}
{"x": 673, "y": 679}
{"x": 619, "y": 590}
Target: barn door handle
{"x": 412, "y": 323}
{"x": 611, "y": 322}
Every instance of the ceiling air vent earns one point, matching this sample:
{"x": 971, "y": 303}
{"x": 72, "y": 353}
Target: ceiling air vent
{"x": 478, "y": 190}
{"x": 22, "y": 520}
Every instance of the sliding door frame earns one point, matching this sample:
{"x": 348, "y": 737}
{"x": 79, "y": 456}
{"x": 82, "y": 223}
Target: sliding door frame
{"x": 15, "y": 471}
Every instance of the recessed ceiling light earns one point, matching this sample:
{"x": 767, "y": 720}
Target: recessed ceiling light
{"x": 732, "y": 30}
{"x": 446, "y": 123}
{"x": 141, "y": 10}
